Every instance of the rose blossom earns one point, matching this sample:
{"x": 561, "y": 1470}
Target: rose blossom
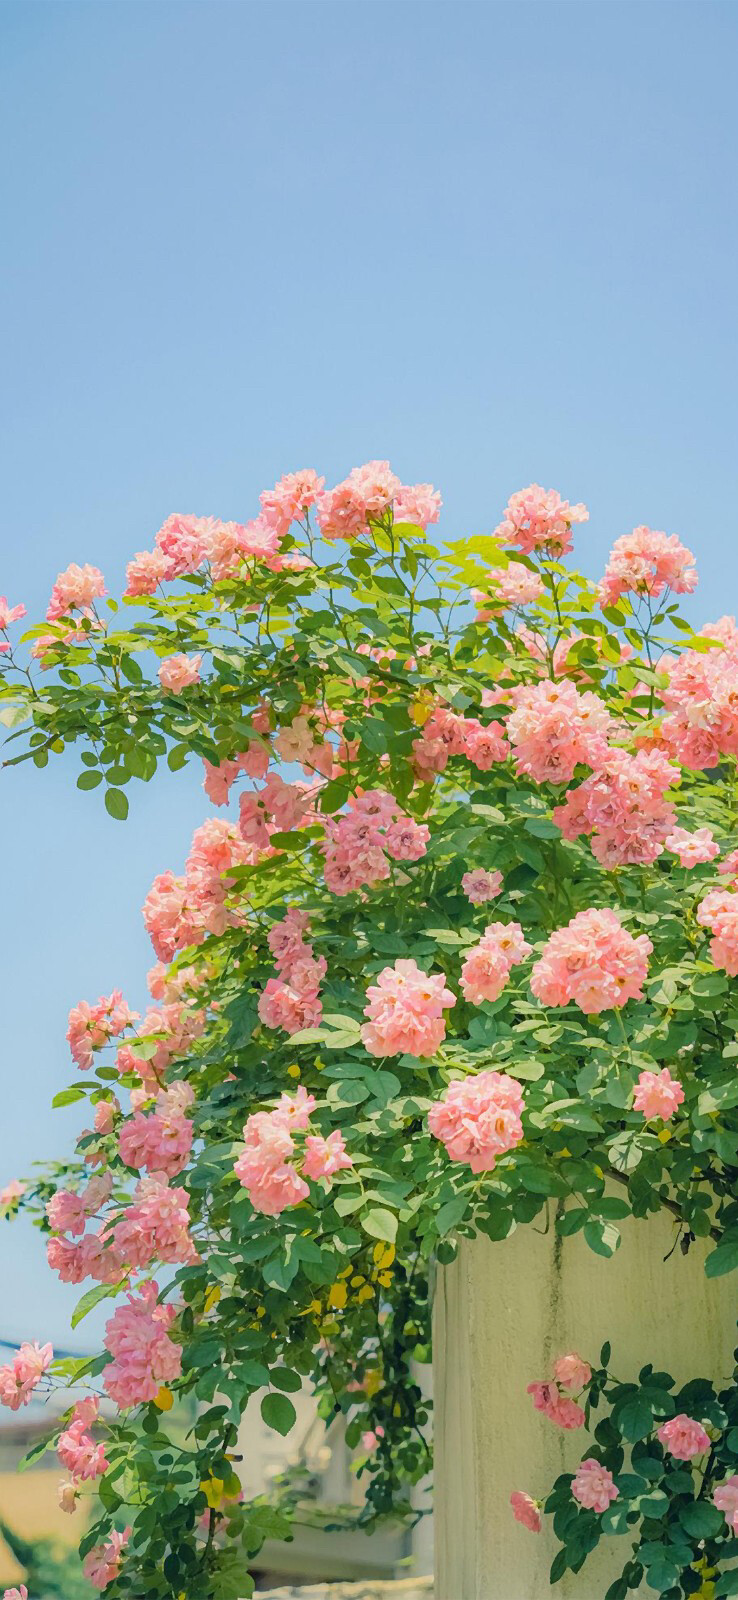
{"x": 481, "y": 885}
{"x": 593, "y": 1486}
{"x": 179, "y": 672}
{"x": 525, "y": 1510}
{"x": 478, "y": 1118}
{"x": 657, "y": 1094}
{"x": 593, "y": 961}
{"x": 571, "y": 1372}
{"x": 405, "y": 1010}
{"x": 725, "y": 1497}
{"x": 683, "y": 1437}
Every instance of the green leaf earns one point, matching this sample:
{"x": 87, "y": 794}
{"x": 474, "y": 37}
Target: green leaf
{"x": 701, "y": 1519}
{"x": 89, "y": 779}
{"x": 451, "y": 1213}
{"x": 116, "y": 804}
{"x": 602, "y": 1237}
{"x": 634, "y": 1420}
{"x": 380, "y": 1224}
{"x": 723, "y": 1259}
{"x": 278, "y": 1412}
{"x": 284, "y": 1378}
{"x": 101, "y": 1291}
{"x": 726, "y": 1585}
{"x": 67, "y": 1097}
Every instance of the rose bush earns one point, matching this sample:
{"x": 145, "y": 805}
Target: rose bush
{"x": 352, "y": 1057}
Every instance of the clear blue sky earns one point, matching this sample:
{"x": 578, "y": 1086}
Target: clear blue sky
{"x": 494, "y": 242}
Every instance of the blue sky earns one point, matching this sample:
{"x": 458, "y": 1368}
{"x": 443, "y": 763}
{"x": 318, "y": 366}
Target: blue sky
{"x": 494, "y": 242}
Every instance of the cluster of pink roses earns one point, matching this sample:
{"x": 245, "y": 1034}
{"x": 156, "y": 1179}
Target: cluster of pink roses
{"x": 701, "y": 699}
{"x": 369, "y": 492}
{"x": 22, "y": 1375}
{"x": 553, "y": 728}
{"x": 594, "y": 962}
{"x": 479, "y": 1118}
{"x": 144, "y": 1356}
{"x": 265, "y": 1166}
{"x": 103, "y": 1562}
{"x": 511, "y": 586}
{"x": 405, "y": 1010}
{"x": 180, "y": 911}
{"x": 83, "y": 1457}
{"x": 538, "y": 519}
{"x": 487, "y": 967}
{"x": 571, "y": 1373}
{"x": 161, "y": 1139}
{"x": 91, "y": 1027}
{"x": 623, "y": 805}
{"x": 719, "y": 913}
{"x": 447, "y": 733}
{"x": 647, "y": 562}
{"x": 359, "y": 842}
{"x": 725, "y": 1497}
{"x": 292, "y": 1001}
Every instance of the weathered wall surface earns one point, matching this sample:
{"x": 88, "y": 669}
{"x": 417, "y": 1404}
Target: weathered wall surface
{"x": 503, "y": 1312}
{"x": 406, "y": 1589}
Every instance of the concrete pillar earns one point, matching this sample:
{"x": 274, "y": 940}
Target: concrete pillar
{"x": 502, "y": 1314}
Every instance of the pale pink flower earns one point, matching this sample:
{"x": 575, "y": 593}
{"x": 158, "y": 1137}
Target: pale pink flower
{"x": 513, "y": 586}
{"x": 371, "y": 1437}
{"x": 144, "y": 1357}
{"x": 102, "y": 1564}
{"x": 184, "y": 540}
{"x": 419, "y": 503}
{"x": 91, "y": 1027}
{"x": 701, "y": 699}
{"x": 683, "y": 1437}
{"x": 487, "y": 966}
{"x": 571, "y": 1372}
{"x": 16, "y": 1594}
{"x": 323, "y": 1157}
{"x": 526, "y": 1510}
{"x": 719, "y": 912}
{"x": 21, "y": 1376}
{"x": 657, "y": 1094}
{"x": 145, "y": 571}
{"x": 554, "y": 728}
{"x": 179, "y": 672}
{"x": 478, "y": 1118}
{"x": 405, "y": 1010}
{"x": 480, "y": 885}
{"x": 74, "y": 590}
{"x": 594, "y": 962}
{"x": 66, "y": 1496}
{"x": 10, "y": 1195}
{"x": 155, "y": 1227}
{"x": 647, "y": 562}
{"x": 557, "y": 1407}
{"x": 9, "y": 614}
{"x": 343, "y": 512}
{"x": 593, "y": 1486}
{"x": 76, "y": 1448}
{"x": 725, "y": 1497}
{"x": 693, "y": 849}
{"x": 291, "y": 498}
{"x": 538, "y": 519}
{"x": 730, "y": 864}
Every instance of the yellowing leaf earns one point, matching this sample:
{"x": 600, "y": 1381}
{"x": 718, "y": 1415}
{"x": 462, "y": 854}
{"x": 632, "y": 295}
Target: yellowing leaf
{"x": 212, "y": 1297}
{"x": 164, "y": 1399}
{"x": 337, "y": 1296}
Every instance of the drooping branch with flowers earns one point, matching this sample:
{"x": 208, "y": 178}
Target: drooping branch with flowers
{"x": 455, "y": 953}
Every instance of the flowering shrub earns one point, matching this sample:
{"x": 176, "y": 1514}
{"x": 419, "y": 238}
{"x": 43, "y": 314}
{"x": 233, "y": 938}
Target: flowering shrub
{"x": 664, "y": 1473}
{"x": 346, "y": 1064}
